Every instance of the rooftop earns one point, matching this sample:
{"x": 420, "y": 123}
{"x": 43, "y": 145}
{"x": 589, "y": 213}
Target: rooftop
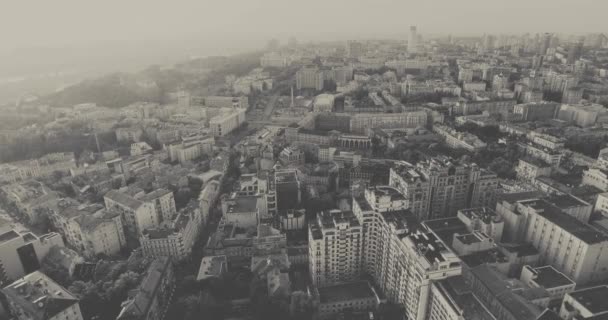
{"x": 388, "y": 191}
{"x": 457, "y": 291}
{"x": 123, "y": 199}
{"x": 404, "y": 221}
{"x": 212, "y": 266}
{"x": 155, "y": 194}
{"x": 485, "y": 214}
{"x": 501, "y": 290}
{"x": 429, "y": 246}
{"x": 40, "y": 296}
{"x": 7, "y": 236}
{"x": 146, "y": 294}
{"x": 446, "y": 228}
{"x": 522, "y": 250}
{"x": 579, "y": 229}
{"x": 483, "y": 257}
{"x": 243, "y": 204}
{"x": 594, "y": 299}
{"x": 566, "y": 201}
{"x": 346, "y": 292}
{"x": 547, "y": 277}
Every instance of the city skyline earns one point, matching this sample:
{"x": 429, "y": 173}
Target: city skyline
{"x": 279, "y": 160}
{"x": 72, "y": 23}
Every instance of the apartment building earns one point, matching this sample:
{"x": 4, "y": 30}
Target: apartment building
{"x": 37, "y": 297}
{"x": 335, "y": 248}
{"x": 241, "y": 102}
{"x": 89, "y": 229}
{"x": 164, "y": 203}
{"x": 596, "y": 177}
{"x": 135, "y": 214}
{"x": 359, "y": 123}
{"x": 175, "y": 238}
{"x": 459, "y": 140}
{"x": 529, "y": 169}
{"x": 229, "y": 120}
{"x": 551, "y": 156}
{"x": 441, "y": 186}
{"x": 21, "y": 254}
{"x": 153, "y": 297}
{"x": 190, "y": 148}
{"x": 401, "y": 260}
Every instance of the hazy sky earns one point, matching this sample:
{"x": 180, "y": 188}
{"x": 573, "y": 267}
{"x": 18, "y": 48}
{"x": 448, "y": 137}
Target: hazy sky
{"x": 85, "y": 22}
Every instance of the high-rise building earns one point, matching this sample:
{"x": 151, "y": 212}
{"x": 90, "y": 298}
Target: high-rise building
{"x": 292, "y": 43}
{"x": 288, "y": 190}
{"x": 412, "y": 41}
{"x": 545, "y": 43}
{"x": 354, "y": 49}
{"x": 440, "y": 187}
{"x": 335, "y": 246}
{"x": 402, "y": 262}
{"x": 576, "y": 50}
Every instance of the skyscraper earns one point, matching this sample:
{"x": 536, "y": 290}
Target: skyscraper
{"x": 412, "y": 42}
{"x": 576, "y": 50}
{"x": 545, "y": 43}
{"x": 354, "y": 49}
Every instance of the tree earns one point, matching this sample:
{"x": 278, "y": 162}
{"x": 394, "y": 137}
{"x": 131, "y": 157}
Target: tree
{"x": 503, "y": 168}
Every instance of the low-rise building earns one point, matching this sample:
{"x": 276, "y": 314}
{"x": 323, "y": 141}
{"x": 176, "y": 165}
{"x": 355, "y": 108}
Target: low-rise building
{"x": 37, "y": 297}
{"x": 555, "y": 282}
{"x": 354, "y": 296}
{"x": 456, "y": 139}
{"x": 596, "y": 177}
{"x": 154, "y": 295}
{"x": 588, "y": 303}
{"x": 212, "y": 267}
{"x": 529, "y": 168}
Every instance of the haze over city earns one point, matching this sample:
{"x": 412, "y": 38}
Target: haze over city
{"x": 317, "y": 160}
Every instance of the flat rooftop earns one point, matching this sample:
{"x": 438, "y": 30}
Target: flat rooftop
{"x": 483, "y": 213}
{"x": 446, "y": 228}
{"x": 548, "y": 277}
{"x": 482, "y": 257}
{"x": 346, "y": 292}
{"x": 211, "y": 266}
{"x": 566, "y": 201}
{"x": 579, "y": 229}
{"x": 594, "y": 299}
{"x": 459, "y": 293}
{"x": 434, "y": 248}
{"x": 468, "y": 238}
{"x": 9, "y": 235}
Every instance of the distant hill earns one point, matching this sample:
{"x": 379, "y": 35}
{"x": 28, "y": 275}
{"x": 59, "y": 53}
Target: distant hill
{"x": 108, "y": 91}
{"x": 121, "y": 89}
